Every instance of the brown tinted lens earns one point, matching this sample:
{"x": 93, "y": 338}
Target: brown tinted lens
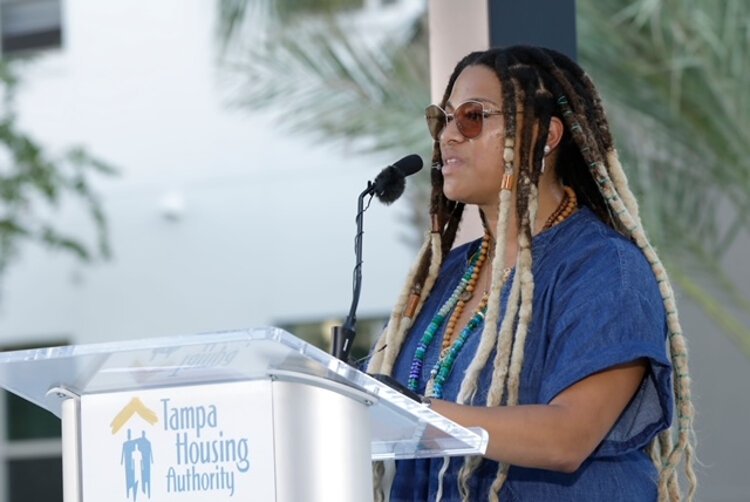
{"x": 435, "y": 120}
{"x": 469, "y": 118}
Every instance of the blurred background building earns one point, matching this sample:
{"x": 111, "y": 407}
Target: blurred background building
{"x": 217, "y": 219}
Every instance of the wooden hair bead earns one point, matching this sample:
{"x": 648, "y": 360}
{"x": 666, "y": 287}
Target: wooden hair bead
{"x": 507, "y": 183}
{"x": 435, "y": 224}
{"x": 411, "y": 305}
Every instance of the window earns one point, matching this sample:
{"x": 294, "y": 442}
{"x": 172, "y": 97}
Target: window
{"x": 30, "y": 448}
{"x": 30, "y": 25}
{"x": 35, "y": 479}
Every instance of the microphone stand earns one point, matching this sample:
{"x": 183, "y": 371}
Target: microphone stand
{"x": 343, "y": 336}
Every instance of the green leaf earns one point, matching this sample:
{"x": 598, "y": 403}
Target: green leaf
{"x": 33, "y": 184}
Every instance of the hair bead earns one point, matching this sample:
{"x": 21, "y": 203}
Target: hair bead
{"x": 507, "y": 182}
{"x": 435, "y": 220}
{"x": 411, "y": 306}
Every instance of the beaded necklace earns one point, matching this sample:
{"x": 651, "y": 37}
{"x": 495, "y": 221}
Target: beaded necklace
{"x": 455, "y": 305}
{"x": 468, "y": 280}
{"x": 444, "y": 366}
{"x": 568, "y": 205}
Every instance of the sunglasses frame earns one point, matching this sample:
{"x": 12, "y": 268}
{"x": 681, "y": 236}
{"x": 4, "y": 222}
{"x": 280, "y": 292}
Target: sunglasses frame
{"x": 449, "y": 117}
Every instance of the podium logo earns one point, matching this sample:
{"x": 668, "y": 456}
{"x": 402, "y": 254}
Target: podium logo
{"x": 137, "y": 456}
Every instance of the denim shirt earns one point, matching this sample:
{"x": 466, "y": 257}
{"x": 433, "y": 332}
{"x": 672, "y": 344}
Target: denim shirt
{"x": 596, "y": 305}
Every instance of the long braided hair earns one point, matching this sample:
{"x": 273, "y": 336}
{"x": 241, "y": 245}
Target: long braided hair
{"x": 542, "y": 83}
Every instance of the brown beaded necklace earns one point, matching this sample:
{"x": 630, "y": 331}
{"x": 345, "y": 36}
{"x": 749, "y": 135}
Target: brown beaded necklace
{"x": 466, "y": 297}
{"x": 450, "y": 327}
{"x": 568, "y": 206}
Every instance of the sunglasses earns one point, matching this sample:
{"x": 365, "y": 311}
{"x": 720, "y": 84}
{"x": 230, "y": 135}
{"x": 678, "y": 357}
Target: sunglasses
{"x": 469, "y": 117}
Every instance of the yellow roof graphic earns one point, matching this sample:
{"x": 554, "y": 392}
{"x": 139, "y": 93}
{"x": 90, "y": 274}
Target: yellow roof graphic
{"x": 135, "y": 406}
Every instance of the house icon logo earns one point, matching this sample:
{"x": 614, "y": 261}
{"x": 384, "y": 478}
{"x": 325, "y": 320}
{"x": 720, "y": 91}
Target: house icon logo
{"x": 137, "y": 455}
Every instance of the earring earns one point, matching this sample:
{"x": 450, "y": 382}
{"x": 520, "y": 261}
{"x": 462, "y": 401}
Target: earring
{"x": 546, "y": 152}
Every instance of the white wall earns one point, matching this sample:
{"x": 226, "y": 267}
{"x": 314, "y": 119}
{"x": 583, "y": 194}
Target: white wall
{"x": 267, "y": 232}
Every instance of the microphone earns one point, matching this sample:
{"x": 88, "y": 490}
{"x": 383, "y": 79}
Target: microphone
{"x": 387, "y": 187}
{"x": 390, "y": 183}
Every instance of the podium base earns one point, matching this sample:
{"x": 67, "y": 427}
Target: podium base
{"x": 321, "y": 443}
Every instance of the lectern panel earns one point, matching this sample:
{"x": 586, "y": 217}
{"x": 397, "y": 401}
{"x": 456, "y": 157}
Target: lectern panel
{"x": 181, "y": 444}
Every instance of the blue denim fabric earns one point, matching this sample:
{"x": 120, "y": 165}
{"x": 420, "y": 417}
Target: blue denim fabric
{"x": 596, "y": 305}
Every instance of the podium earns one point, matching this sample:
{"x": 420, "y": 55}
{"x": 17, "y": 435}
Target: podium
{"x": 253, "y": 415}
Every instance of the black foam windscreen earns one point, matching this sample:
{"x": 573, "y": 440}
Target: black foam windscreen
{"x": 389, "y": 185}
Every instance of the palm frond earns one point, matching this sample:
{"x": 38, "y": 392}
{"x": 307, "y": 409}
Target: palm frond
{"x": 673, "y": 75}
{"x": 331, "y": 86}
{"x": 238, "y": 20}
{"x": 336, "y": 87}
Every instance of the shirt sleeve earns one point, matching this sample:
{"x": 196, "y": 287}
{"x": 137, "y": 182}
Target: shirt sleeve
{"x": 613, "y": 316}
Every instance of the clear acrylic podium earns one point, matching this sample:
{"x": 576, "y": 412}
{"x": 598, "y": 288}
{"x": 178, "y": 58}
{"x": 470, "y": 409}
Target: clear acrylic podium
{"x": 242, "y": 415}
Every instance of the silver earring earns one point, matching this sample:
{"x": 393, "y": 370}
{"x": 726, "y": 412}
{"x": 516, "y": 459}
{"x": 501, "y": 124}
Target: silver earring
{"x": 546, "y": 152}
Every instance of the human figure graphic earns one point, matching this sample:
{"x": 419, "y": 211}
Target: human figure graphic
{"x": 126, "y": 459}
{"x": 137, "y": 457}
{"x": 147, "y": 458}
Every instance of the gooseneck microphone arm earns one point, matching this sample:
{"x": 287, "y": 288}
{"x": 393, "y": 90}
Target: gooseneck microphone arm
{"x": 387, "y": 187}
{"x": 343, "y": 336}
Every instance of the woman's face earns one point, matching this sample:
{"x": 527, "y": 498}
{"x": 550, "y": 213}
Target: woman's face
{"x": 473, "y": 168}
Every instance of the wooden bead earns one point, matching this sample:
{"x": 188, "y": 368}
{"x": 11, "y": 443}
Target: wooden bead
{"x": 507, "y": 182}
{"x": 465, "y": 296}
{"x": 435, "y": 224}
{"x": 411, "y": 305}
{"x": 567, "y": 207}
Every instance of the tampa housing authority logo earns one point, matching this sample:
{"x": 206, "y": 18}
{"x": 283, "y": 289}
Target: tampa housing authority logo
{"x": 196, "y": 454}
{"x": 137, "y": 455}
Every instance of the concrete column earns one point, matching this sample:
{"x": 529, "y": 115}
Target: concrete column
{"x": 456, "y": 28}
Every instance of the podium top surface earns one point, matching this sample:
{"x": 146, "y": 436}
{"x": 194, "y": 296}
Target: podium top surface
{"x": 403, "y": 428}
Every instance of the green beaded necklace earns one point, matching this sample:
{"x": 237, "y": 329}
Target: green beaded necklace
{"x": 445, "y": 364}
